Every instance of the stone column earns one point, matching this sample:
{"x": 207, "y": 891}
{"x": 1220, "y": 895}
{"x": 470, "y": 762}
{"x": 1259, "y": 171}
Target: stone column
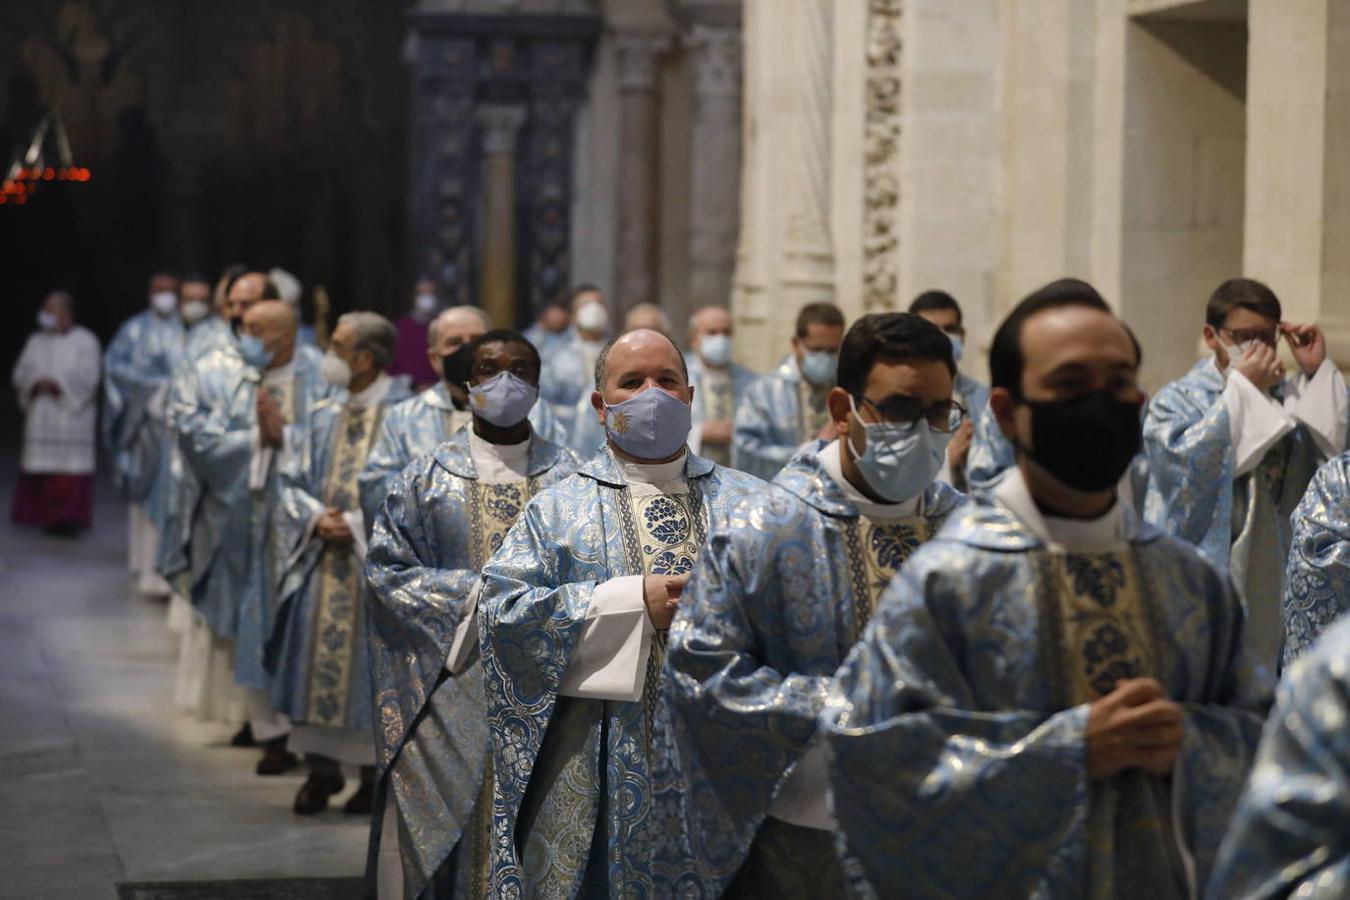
{"x": 716, "y": 167}
{"x": 498, "y": 126}
{"x": 1297, "y": 216}
{"x": 635, "y": 266}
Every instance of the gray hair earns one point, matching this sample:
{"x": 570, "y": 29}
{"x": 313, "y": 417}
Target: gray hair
{"x": 435, "y": 327}
{"x": 602, "y": 361}
{"x": 374, "y": 333}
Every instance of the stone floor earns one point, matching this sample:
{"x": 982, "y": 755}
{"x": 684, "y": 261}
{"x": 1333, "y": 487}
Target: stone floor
{"x": 100, "y": 783}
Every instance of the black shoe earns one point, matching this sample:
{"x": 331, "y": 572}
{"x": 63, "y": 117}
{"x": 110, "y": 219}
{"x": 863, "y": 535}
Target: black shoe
{"x": 63, "y": 529}
{"x": 313, "y": 795}
{"x": 361, "y": 803}
{"x": 243, "y": 737}
{"x": 276, "y": 759}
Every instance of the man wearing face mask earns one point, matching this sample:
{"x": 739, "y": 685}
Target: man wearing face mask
{"x": 574, "y": 612}
{"x": 552, "y": 331}
{"x": 136, "y": 369}
{"x": 566, "y": 382}
{"x": 414, "y": 334}
{"x": 213, "y": 330}
{"x": 56, "y": 380}
{"x": 779, "y": 595}
{"x": 719, "y": 384}
{"x": 978, "y": 452}
{"x": 444, "y": 517}
{"x": 1233, "y": 444}
{"x": 317, "y": 650}
{"x": 787, "y": 407}
{"x": 1047, "y": 666}
{"x": 233, "y": 415}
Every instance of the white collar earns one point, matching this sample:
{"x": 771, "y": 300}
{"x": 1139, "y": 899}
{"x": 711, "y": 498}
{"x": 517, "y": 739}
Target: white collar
{"x": 480, "y": 448}
{"x": 1104, "y": 533}
{"x": 280, "y": 373}
{"x": 653, "y": 473}
{"x": 834, "y": 467}
{"x": 373, "y": 393}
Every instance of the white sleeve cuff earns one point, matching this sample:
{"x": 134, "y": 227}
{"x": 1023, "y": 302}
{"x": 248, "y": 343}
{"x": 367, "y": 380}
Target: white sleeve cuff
{"x": 465, "y": 644}
{"x": 1320, "y": 403}
{"x": 355, "y": 523}
{"x": 1255, "y": 422}
{"x": 610, "y": 660}
{"x": 259, "y": 464}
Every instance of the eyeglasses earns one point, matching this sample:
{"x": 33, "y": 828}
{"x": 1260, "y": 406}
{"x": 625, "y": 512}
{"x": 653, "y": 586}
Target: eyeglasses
{"x": 484, "y": 371}
{"x": 945, "y": 415}
{"x": 1243, "y": 335}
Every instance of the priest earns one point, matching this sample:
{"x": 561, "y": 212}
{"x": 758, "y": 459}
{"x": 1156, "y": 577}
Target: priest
{"x": 779, "y": 595}
{"x": 719, "y": 383}
{"x": 1051, "y": 700}
{"x": 575, "y": 608}
{"x": 1233, "y": 443}
{"x": 444, "y": 517}
{"x": 316, "y": 654}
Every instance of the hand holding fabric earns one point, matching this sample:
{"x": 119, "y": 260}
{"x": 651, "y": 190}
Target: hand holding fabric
{"x": 661, "y": 594}
{"x": 1261, "y": 366}
{"x": 1134, "y": 726}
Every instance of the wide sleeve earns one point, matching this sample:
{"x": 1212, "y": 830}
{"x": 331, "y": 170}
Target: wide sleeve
{"x": 935, "y": 796}
{"x": 740, "y": 723}
{"x": 297, "y": 544}
{"x": 383, "y": 464}
{"x": 1321, "y": 405}
{"x": 1288, "y": 837}
{"x": 1317, "y": 578}
{"x": 754, "y": 446}
{"x": 79, "y": 377}
{"x": 1190, "y": 458}
{"x": 27, "y": 372}
{"x": 218, "y": 453}
{"x": 419, "y": 593}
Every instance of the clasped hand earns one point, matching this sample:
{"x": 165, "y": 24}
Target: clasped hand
{"x": 1133, "y": 727}
{"x": 661, "y": 594}
{"x": 332, "y": 528}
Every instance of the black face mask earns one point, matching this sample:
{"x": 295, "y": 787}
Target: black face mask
{"x": 236, "y": 324}
{"x": 1086, "y": 442}
{"x": 455, "y": 367}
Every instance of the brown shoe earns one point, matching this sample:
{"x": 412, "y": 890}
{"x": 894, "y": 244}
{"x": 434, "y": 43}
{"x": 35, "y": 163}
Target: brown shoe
{"x": 313, "y": 795}
{"x": 361, "y": 803}
{"x": 276, "y": 759}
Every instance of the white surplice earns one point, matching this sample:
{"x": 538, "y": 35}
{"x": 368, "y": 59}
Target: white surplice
{"x": 59, "y": 432}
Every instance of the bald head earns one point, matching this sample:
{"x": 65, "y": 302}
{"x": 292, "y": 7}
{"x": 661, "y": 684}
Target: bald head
{"x": 647, "y": 316}
{"x": 273, "y": 323}
{"x": 706, "y": 321}
{"x": 246, "y": 290}
{"x": 642, "y": 350}
{"x": 453, "y": 329}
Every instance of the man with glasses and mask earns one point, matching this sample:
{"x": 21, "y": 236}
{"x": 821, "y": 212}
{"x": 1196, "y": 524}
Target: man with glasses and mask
{"x": 444, "y": 517}
{"x": 781, "y": 592}
{"x": 1051, "y": 699}
{"x": 1233, "y": 444}
{"x": 786, "y": 408}
{"x": 575, "y": 609}
{"x": 316, "y": 653}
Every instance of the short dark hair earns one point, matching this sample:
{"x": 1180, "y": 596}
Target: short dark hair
{"x": 889, "y": 337}
{"x": 1241, "y": 293}
{"x": 195, "y": 278}
{"x": 818, "y": 314}
{"x": 504, "y": 336}
{"x": 936, "y": 300}
{"x": 269, "y": 289}
{"x": 602, "y": 361}
{"x": 1005, "y": 353}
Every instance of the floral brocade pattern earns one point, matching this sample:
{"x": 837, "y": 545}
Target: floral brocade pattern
{"x": 494, "y": 509}
{"x": 876, "y": 552}
{"x": 339, "y": 577}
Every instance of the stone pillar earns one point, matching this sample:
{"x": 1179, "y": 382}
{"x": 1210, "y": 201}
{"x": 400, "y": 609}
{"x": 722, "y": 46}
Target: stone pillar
{"x": 716, "y": 165}
{"x": 498, "y": 127}
{"x": 635, "y": 266}
{"x": 1297, "y": 216}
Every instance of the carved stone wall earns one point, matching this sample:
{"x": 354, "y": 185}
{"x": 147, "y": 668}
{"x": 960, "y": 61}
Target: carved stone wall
{"x": 881, "y": 169}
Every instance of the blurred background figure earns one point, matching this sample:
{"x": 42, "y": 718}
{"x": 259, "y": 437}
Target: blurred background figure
{"x": 410, "y": 358}
{"x": 552, "y": 330}
{"x": 719, "y": 384}
{"x": 56, "y": 379}
{"x": 292, "y": 292}
{"x": 649, "y": 316}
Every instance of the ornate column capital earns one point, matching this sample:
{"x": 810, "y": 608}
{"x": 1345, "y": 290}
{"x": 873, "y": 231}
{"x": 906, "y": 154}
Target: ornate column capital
{"x": 636, "y": 51}
{"x": 498, "y": 124}
{"x": 717, "y": 60}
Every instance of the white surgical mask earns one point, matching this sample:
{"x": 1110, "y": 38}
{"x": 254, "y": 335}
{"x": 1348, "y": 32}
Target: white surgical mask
{"x": 194, "y": 310}
{"x": 424, "y": 304}
{"x": 899, "y": 461}
{"x": 1235, "y": 352}
{"x": 592, "y": 317}
{"x": 334, "y": 370}
{"x": 46, "y": 320}
{"x": 164, "y": 302}
{"x": 716, "y": 349}
{"x": 819, "y": 367}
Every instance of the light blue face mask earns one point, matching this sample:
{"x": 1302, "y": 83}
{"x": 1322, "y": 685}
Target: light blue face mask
{"x": 649, "y": 425}
{"x": 899, "y": 461}
{"x": 503, "y": 400}
{"x": 716, "y": 349}
{"x": 254, "y": 352}
{"x": 958, "y": 345}
{"x": 819, "y": 367}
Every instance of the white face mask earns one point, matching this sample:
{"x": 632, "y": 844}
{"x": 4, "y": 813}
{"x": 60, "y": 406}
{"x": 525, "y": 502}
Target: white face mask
{"x": 1236, "y": 353}
{"x": 164, "y": 302}
{"x": 716, "y": 349}
{"x": 334, "y": 370}
{"x": 424, "y": 304}
{"x": 46, "y": 320}
{"x": 592, "y": 317}
{"x": 194, "y": 310}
